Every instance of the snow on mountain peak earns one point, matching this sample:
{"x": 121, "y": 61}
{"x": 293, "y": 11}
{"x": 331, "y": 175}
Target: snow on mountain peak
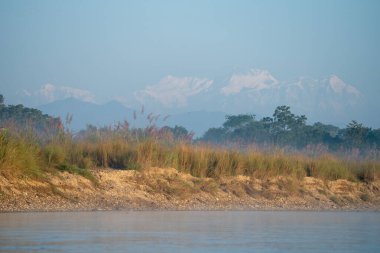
{"x": 255, "y": 79}
{"x": 173, "y": 90}
{"x": 339, "y": 86}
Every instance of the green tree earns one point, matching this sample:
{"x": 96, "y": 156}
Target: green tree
{"x": 178, "y": 132}
{"x": 283, "y": 118}
{"x": 238, "y": 121}
{"x": 356, "y": 134}
{"x": 25, "y": 119}
{"x": 288, "y": 129}
{"x": 215, "y": 135}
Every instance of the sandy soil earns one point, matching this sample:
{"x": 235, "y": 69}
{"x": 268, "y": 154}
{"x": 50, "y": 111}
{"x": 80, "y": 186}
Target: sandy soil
{"x": 167, "y": 189}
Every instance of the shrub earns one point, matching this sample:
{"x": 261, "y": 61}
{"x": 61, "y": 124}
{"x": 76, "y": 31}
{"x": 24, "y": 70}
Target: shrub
{"x": 18, "y": 156}
{"x": 79, "y": 171}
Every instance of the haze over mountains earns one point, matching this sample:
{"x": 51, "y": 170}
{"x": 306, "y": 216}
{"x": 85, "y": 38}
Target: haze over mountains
{"x": 177, "y": 57}
{"x": 200, "y": 103}
{"x": 111, "y": 113}
{"x": 258, "y": 92}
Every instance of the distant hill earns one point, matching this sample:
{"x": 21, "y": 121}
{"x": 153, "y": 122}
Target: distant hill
{"x": 112, "y": 112}
{"x": 87, "y": 113}
{"x": 26, "y": 119}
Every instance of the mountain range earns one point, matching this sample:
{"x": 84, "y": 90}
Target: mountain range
{"x": 328, "y": 99}
{"x": 201, "y": 103}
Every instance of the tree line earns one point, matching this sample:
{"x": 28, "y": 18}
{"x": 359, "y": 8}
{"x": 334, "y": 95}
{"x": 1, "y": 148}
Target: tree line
{"x": 283, "y": 129}
{"x": 286, "y": 129}
{"x": 18, "y": 117}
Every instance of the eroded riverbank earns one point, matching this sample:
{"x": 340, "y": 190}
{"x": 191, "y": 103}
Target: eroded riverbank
{"x": 168, "y": 189}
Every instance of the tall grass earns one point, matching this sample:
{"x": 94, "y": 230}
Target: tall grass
{"x": 133, "y": 149}
{"x": 19, "y": 156}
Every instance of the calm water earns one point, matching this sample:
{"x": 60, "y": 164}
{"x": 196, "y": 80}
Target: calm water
{"x": 190, "y": 232}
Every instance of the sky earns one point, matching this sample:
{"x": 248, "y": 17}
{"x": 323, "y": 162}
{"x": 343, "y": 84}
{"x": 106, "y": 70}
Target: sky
{"x": 131, "y": 51}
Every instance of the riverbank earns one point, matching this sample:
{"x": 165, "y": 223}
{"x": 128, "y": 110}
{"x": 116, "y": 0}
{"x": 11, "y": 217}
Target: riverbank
{"x": 168, "y": 189}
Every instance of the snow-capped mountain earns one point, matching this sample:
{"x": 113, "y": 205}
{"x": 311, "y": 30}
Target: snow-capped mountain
{"x": 257, "y": 91}
{"x": 329, "y": 100}
{"x": 327, "y": 93}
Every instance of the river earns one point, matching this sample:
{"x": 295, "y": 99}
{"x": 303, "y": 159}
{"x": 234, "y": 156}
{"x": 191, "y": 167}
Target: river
{"x": 190, "y": 231}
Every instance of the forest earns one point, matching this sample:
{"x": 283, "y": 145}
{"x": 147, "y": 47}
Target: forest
{"x": 287, "y": 130}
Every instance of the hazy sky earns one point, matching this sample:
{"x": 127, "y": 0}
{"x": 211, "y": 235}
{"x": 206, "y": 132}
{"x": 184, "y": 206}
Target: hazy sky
{"x": 104, "y": 50}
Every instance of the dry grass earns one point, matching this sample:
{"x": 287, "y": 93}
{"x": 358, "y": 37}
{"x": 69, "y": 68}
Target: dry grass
{"x": 130, "y": 150}
{"x": 19, "y": 156}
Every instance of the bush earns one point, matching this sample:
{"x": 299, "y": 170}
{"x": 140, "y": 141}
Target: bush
{"x": 365, "y": 197}
{"x": 79, "y": 171}
{"x": 18, "y": 156}
{"x": 54, "y": 154}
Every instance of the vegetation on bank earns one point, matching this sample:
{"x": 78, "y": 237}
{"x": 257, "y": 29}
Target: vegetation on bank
{"x": 28, "y": 119}
{"x": 291, "y": 131}
{"x": 32, "y": 153}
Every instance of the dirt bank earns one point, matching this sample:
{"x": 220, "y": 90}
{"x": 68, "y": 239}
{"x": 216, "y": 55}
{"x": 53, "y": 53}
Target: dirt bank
{"x": 158, "y": 188}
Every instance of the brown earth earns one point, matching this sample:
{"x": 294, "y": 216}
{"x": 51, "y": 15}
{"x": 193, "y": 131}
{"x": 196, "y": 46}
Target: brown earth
{"x": 168, "y": 189}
